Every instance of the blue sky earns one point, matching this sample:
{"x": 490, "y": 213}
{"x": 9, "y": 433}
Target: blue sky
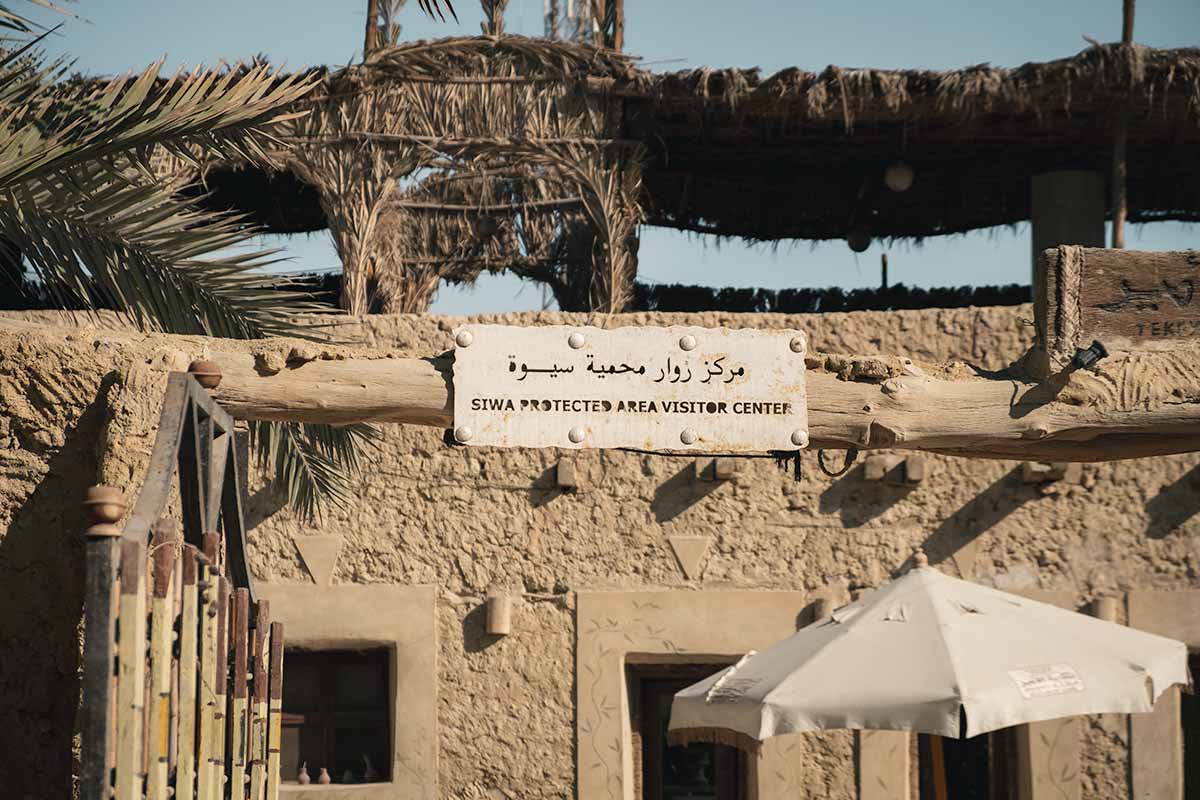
{"x": 115, "y": 36}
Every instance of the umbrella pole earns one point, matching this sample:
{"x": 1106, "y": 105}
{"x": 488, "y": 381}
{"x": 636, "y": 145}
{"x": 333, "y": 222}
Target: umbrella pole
{"x": 939, "y": 767}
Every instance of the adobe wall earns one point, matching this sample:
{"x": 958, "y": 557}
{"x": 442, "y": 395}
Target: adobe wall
{"x": 465, "y": 520}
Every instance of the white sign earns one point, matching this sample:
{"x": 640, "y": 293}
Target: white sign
{"x": 1048, "y": 680}
{"x": 684, "y": 389}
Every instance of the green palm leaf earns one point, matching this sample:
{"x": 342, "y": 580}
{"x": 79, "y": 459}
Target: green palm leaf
{"x": 80, "y": 201}
{"x": 310, "y": 462}
{"x": 150, "y": 255}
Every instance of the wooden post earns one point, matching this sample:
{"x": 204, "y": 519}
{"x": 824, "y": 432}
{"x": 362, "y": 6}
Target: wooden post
{"x": 131, "y": 671}
{"x": 275, "y": 724}
{"x": 210, "y": 544}
{"x": 185, "y": 773}
{"x": 220, "y": 747}
{"x": 105, "y": 506}
{"x": 1120, "y": 145}
{"x": 371, "y": 36}
{"x": 239, "y": 709}
{"x": 162, "y": 624}
{"x": 207, "y": 780}
{"x": 618, "y": 40}
{"x": 258, "y": 728}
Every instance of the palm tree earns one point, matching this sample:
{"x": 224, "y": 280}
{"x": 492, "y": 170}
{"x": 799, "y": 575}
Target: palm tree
{"x": 80, "y": 201}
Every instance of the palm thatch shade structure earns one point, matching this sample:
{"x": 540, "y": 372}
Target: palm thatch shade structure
{"x": 557, "y": 150}
{"x": 802, "y": 154}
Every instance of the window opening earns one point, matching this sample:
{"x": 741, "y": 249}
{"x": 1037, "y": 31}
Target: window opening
{"x": 336, "y": 713}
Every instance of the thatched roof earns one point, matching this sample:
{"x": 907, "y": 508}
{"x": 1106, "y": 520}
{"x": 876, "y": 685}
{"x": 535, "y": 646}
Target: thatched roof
{"x": 801, "y": 154}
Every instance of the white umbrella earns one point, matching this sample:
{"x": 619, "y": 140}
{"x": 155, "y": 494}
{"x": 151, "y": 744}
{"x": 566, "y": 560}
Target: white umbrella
{"x": 913, "y": 654}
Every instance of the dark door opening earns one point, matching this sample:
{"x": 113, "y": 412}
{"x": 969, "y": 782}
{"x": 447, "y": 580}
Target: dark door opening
{"x": 980, "y": 768}
{"x": 699, "y": 771}
{"x": 1189, "y": 722}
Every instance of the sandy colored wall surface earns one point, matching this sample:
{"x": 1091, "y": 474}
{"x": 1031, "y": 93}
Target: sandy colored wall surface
{"x": 464, "y": 520}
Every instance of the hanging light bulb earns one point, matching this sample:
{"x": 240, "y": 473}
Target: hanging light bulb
{"x": 485, "y": 226}
{"x": 898, "y": 176}
{"x": 859, "y": 239}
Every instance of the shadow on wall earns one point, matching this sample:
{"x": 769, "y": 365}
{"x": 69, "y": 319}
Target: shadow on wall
{"x": 545, "y": 489}
{"x": 41, "y": 603}
{"x": 1173, "y": 505}
{"x": 981, "y": 513}
{"x": 262, "y": 505}
{"x": 859, "y": 501}
{"x": 476, "y": 639}
{"x": 680, "y": 492}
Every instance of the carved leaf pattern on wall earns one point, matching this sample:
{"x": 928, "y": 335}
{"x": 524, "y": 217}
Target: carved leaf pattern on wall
{"x": 607, "y": 757}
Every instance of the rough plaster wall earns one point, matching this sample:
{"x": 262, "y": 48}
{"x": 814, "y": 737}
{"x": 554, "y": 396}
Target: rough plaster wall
{"x": 51, "y": 413}
{"x": 467, "y": 519}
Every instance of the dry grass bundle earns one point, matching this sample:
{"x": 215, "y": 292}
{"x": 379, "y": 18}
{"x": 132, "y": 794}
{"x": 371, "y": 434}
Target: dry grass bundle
{"x": 1098, "y": 75}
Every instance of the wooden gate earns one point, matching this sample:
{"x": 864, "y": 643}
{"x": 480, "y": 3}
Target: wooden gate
{"x": 183, "y": 669}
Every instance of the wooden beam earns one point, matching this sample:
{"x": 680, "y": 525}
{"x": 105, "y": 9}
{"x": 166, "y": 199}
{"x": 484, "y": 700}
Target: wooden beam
{"x": 1129, "y": 406}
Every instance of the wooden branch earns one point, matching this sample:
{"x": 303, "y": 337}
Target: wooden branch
{"x": 480, "y": 208}
{"x": 454, "y": 143}
{"x": 481, "y": 80}
{"x": 1132, "y": 406}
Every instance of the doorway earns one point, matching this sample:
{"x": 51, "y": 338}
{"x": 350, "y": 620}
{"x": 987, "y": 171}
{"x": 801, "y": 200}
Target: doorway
{"x": 698, "y": 771}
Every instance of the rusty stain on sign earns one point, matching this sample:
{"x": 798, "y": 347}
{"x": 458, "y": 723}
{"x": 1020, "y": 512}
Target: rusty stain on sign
{"x": 668, "y": 389}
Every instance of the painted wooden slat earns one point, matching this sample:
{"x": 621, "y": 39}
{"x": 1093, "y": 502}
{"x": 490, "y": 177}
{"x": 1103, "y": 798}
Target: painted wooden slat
{"x": 220, "y": 715}
{"x": 162, "y": 623}
{"x": 131, "y": 671}
{"x": 206, "y": 786}
{"x": 258, "y": 728}
{"x": 176, "y": 614}
{"x": 275, "y": 710}
{"x": 239, "y": 719}
{"x": 185, "y": 773}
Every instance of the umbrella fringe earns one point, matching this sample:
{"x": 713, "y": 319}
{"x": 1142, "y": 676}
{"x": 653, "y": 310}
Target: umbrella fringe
{"x": 685, "y": 736}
